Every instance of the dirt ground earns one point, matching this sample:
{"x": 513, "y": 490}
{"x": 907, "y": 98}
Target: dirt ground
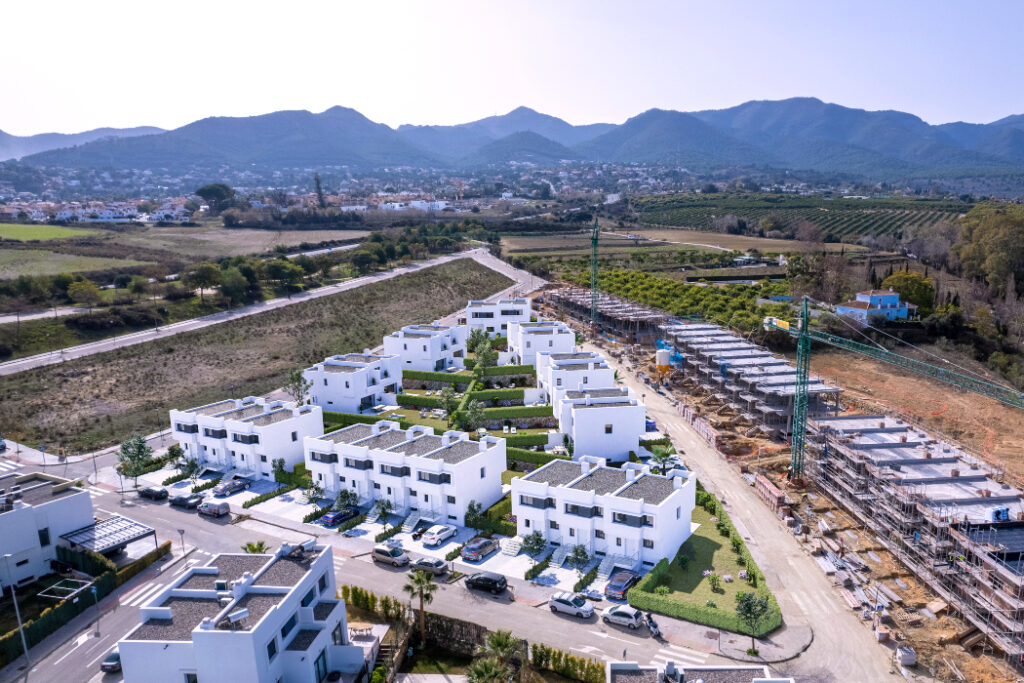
{"x": 994, "y": 430}
{"x": 212, "y": 241}
{"x": 739, "y": 242}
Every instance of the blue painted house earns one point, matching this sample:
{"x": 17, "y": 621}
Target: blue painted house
{"x": 877, "y": 301}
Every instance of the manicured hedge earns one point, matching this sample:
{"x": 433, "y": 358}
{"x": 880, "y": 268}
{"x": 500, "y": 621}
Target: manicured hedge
{"x": 335, "y": 421}
{"x": 135, "y": 568}
{"x": 446, "y": 377}
{"x": 536, "y": 570}
{"x": 454, "y": 553}
{"x": 208, "y": 485}
{"x": 317, "y": 514}
{"x": 525, "y": 439}
{"x": 385, "y": 535}
{"x": 267, "y": 496}
{"x": 518, "y": 411}
{"x": 535, "y": 457}
{"x": 498, "y": 395}
{"x": 587, "y": 579}
{"x": 419, "y": 401}
{"x": 352, "y": 523}
{"x": 181, "y": 476}
{"x": 496, "y": 521}
{"x": 510, "y": 370}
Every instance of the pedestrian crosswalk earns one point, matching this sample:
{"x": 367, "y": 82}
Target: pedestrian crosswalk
{"x": 339, "y": 563}
{"x": 95, "y": 491}
{"x": 818, "y": 605}
{"x": 678, "y": 655}
{"x": 141, "y": 594}
{"x": 7, "y": 466}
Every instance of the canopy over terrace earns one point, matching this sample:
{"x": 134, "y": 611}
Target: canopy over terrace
{"x": 615, "y": 315}
{"x": 109, "y": 535}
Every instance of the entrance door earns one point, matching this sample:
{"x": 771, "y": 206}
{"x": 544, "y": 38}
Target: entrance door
{"x": 320, "y": 666}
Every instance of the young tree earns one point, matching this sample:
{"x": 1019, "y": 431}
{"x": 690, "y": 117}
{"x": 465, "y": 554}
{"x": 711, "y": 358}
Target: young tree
{"x": 203, "y": 276}
{"x": 421, "y": 586}
{"x": 138, "y": 285}
{"x": 716, "y": 581}
{"x": 277, "y": 466}
{"x": 578, "y": 559}
{"x": 255, "y": 547}
{"x": 475, "y": 518}
{"x": 475, "y": 415}
{"x": 320, "y": 198}
{"x": 486, "y": 669}
{"x": 134, "y": 455}
{"x": 297, "y": 386}
{"x": 362, "y": 260}
{"x": 346, "y": 498}
{"x": 534, "y": 545}
{"x": 477, "y": 336}
{"x": 384, "y": 508}
{"x": 486, "y": 356}
{"x": 233, "y": 285}
{"x": 660, "y": 456}
{"x": 752, "y": 610}
{"x": 313, "y": 493}
{"x": 501, "y": 645}
{"x": 448, "y": 403}
{"x": 84, "y": 292}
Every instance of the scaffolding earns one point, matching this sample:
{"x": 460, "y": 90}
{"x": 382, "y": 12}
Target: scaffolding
{"x": 632, "y": 322}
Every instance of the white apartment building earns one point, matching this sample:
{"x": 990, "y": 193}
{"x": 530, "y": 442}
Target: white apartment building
{"x": 432, "y": 348}
{"x": 260, "y": 618}
{"x": 606, "y": 423}
{"x": 354, "y": 382}
{"x": 425, "y": 476}
{"x": 560, "y": 372}
{"x": 35, "y": 511}
{"x": 494, "y": 317}
{"x": 247, "y": 434}
{"x": 526, "y": 340}
{"x": 626, "y": 515}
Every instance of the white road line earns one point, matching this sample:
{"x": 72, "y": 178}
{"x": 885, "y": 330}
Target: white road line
{"x": 142, "y": 596}
{"x": 187, "y": 566}
{"x": 78, "y": 643}
{"x": 9, "y": 465}
{"x": 661, "y": 660}
{"x": 680, "y": 650}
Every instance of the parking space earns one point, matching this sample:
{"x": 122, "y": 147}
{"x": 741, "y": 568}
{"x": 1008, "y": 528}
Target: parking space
{"x": 291, "y": 506}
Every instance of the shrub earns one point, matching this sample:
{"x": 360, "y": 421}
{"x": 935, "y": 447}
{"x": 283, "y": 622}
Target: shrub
{"x": 352, "y": 523}
{"x": 385, "y": 535}
{"x": 518, "y": 411}
{"x": 317, "y": 514}
{"x": 454, "y": 553}
{"x": 587, "y": 579}
{"x": 208, "y": 485}
{"x": 426, "y": 376}
{"x": 662, "y": 590}
{"x": 135, "y": 568}
{"x": 174, "y": 479}
{"x": 419, "y": 401}
{"x": 535, "y": 457}
{"x": 510, "y": 370}
{"x": 525, "y": 439}
{"x": 536, "y": 570}
{"x": 267, "y": 496}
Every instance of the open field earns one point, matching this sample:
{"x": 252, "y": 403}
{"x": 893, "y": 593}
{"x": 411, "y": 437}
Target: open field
{"x": 688, "y": 238}
{"x": 22, "y": 232}
{"x": 101, "y": 399}
{"x": 15, "y": 262}
{"x": 211, "y": 241}
{"x": 841, "y": 218}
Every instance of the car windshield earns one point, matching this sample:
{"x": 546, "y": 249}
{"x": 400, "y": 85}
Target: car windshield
{"x": 395, "y": 552}
{"x": 578, "y": 601}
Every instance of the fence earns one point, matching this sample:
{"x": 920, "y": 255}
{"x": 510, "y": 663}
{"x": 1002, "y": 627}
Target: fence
{"x": 700, "y": 425}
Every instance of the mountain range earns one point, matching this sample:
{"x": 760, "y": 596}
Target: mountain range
{"x": 794, "y": 134}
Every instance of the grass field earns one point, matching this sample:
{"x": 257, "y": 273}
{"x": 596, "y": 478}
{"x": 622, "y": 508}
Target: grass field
{"x": 23, "y": 233}
{"x": 434, "y": 660}
{"x": 101, "y": 399}
{"x": 210, "y": 241}
{"x": 707, "y": 549}
{"x": 15, "y": 262}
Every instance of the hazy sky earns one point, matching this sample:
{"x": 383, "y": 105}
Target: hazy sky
{"x": 71, "y": 66}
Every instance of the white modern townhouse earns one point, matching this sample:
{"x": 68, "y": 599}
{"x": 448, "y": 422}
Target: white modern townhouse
{"x": 35, "y": 511}
{"x": 526, "y": 340}
{"x": 354, "y": 382}
{"x": 561, "y": 372}
{"x": 606, "y": 423}
{"x": 494, "y": 317}
{"x": 259, "y": 618}
{"x": 683, "y": 671}
{"x": 425, "y": 476}
{"x": 246, "y": 435}
{"x": 627, "y": 516}
{"x": 431, "y": 348}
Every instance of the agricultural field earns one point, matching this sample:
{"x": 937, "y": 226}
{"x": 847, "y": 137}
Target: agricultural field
{"x": 842, "y": 219}
{"x": 697, "y": 239}
{"x": 22, "y": 233}
{"x": 211, "y": 241}
{"x": 100, "y": 399}
{"x": 15, "y": 262}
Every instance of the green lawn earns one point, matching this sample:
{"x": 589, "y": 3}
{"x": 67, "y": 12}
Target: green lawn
{"x": 508, "y": 475}
{"x": 707, "y": 549}
{"x": 22, "y": 233}
{"x": 435, "y": 661}
{"x": 413, "y": 416}
{"x": 15, "y": 262}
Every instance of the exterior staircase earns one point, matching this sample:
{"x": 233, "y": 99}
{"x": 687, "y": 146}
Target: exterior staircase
{"x": 511, "y": 546}
{"x": 372, "y": 515}
{"x": 410, "y": 522}
{"x": 610, "y": 562}
{"x": 558, "y": 557}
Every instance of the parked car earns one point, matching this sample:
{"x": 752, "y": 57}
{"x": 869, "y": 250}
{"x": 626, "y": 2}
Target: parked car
{"x": 189, "y": 501}
{"x": 479, "y": 548}
{"x": 112, "y": 662}
{"x": 392, "y": 555}
{"x": 214, "y": 508}
{"x": 623, "y": 615}
{"x": 487, "y": 581}
{"x": 431, "y": 565}
{"x": 3, "y": 445}
{"x": 226, "y": 488}
{"x": 571, "y": 603}
{"x": 335, "y": 517}
{"x": 620, "y": 582}
{"x": 153, "y": 492}
{"x": 438, "y": 534}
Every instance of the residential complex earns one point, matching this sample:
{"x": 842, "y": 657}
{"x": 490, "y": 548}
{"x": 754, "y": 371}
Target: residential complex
{"x": 260, "y": 618}
{"x": 628, "y": 516}
{"x": 526, "y": 340}
{"x": 354, "y": 382}
{"x": 246, "y": 435}
{"x": 494, "y": 317}
{"x": 35, "y": 510}
{"x": 425, "y": 476}
{"x": 607, "y": 423}
{"x": 428, "y": 347}
{"x": 560, "y": 372}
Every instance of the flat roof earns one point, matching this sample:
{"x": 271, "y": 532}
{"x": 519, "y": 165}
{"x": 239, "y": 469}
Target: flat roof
{"x": 637, "y": 675}
{"x": 349, "y": 434}
{"x": 458, "y": 451}
{"x": 555, "y": 473}
{"x": 106, "y": 535}
{"x": 243, "y": 412}
{"x": 420, "y": 446}
{"x": 601, "y": 480}
{"x": 229, "y": 568}
{"x": 258, "y": 605}
{"x": 186, "y": 615}
{"x": 342, "y": 369}
{"x": 36, "y": 490}
{"x": 212, "y": 408}
{"x": 649, "y": 488}
{"x": 286, "y": 570}
{"x": 385, "y": 440}
{"x": 303, "y": 639}
{"x": 606, "y": 404}
{"x": 279, "y": 415}
{"x": 597, "y": 393}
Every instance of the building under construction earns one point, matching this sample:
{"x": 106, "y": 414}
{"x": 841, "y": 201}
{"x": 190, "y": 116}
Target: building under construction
{"x": 947, "y": 515}
{"x": 758, "y": 385}
{"x": 629, "y": 322}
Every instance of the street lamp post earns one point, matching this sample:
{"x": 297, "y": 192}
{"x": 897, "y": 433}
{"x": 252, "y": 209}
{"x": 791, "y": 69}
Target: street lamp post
{"x": 96, "y": 601}
{"x": 17, "y": 611}
{"x": 181, "y": 533}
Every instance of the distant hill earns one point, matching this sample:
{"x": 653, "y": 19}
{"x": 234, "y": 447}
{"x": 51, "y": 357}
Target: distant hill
{"x": 802, "y": 134}
{"x": 15, "y": 146}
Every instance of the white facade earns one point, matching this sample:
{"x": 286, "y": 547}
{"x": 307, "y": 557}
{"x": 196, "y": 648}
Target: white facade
{"x": 626, "y": 512}
{"x": 432, "y": 348}
{"x": 526, "y": 340}
{"x": 35, "y": 511}
{"x": 259, "y": 618}
{"x": 354, "y": 382}
{"x": 418, "y": 471}
{"x": 561, "y": 372}
{"x": 494, "y": 317}
{"x": 246, "y": 434}
{"x": 606, "y": 423}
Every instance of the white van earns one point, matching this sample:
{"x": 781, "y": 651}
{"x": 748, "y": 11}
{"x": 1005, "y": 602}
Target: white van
{"x": 214, "y": 508}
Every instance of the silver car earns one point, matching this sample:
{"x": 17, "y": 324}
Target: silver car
{"x": 623, "y": 615}
{"x": 438, "y": 534}
{"x": 431, "y": 565}
{"x": 571, "y": 603}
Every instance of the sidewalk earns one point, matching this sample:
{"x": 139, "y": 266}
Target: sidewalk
{"x": 158, "y": 441}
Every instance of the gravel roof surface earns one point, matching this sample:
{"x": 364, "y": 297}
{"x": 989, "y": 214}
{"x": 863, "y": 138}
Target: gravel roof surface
{"x": 601, "y": 481}
{"x": 649, "y": 488}
{"x": 303, "y": 639}
{"x": 556, "y": 473}
{"x": 186, "y": 615}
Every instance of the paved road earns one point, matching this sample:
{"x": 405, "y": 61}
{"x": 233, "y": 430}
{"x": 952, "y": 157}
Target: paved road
{"x": 687, "y": 244}
{"x": 35, "y": 315}
{"x": 480, "y": 255}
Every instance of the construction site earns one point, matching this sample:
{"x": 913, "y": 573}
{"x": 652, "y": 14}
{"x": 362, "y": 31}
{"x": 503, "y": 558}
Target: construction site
{"x": 921, "y": 536}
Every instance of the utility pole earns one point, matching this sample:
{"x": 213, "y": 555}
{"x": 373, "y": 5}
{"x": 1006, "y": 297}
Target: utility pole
{"x": 17, "y": 611}
{"x": 594, "y": 235}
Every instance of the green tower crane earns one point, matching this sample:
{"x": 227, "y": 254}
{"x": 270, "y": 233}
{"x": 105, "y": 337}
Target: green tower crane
{"x": 593, "y": 274}
{"x": 805, "y": 335}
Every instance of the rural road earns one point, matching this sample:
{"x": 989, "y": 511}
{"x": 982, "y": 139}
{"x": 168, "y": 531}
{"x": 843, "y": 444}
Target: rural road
{"x": 687, "y": 244}
{"x": 524, "y": 282}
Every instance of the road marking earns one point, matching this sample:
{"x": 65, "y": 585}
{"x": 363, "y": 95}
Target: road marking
{"x": 9, "y": 466}
{"x": 187, "y": 566}
{"x": 593, "y": 651}
{"x": 601, "y": 634}
{"x": 674, "y": 653}
{"x": 78, "y": 643}
{"x": 143, "y": 596}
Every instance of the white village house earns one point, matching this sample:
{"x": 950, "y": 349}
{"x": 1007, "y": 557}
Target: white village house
{"x": 560, "y": 372}
{"x": 606, "y": 423}
{"x": 526, "y": 340}
{"x": 494, "y": 317}
{"x": 424, "y": 475}
{"x": 246, "y": 435}
{"x": 354, "y": 382}
{"x": 431, "y": 348}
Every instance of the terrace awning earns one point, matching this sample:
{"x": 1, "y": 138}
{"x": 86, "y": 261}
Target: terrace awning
{"x": 109, "y": 535}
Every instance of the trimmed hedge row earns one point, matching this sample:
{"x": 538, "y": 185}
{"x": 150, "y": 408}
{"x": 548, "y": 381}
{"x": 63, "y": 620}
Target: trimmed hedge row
{"x": 317, "y": 514}
{"x": 536, "y": 570}
{"x": 569, "y": 666}
{"x": 135, "y": 568}
{"x": 335, "y": 421}
{"x": 204, "y": 487}
{"x": 385, "y": 535}
{"x": 267, "y": 496}
{"x": 419, "y": 401}
{"x": 587, "y": 579}
{"x": 525, "y": 439}
{"x": 518, "y": 411}
{"x": 427, "y": 376}
{"x": 454, "y": 553}
{"x": 496, "y": 521}
{"x": 352, "y": 523}
{"x": 497, "y": 395}
{"x": 181, "y": 476}
{"x": 535, "y": 457}
{"x": 510, "y": 370}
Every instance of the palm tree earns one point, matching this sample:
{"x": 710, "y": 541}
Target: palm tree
{"x": 660, "y": 457}
{"x": 421, "y": 585}
{"x": 500, "y": 644}
{"x": 486, "y": 670}
{"x": 255, "y": 547}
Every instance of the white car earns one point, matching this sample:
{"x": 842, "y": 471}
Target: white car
{"x": 570, "y": 603}
{"x": 438, "y": 534}
{"x": 623, "y": 615}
